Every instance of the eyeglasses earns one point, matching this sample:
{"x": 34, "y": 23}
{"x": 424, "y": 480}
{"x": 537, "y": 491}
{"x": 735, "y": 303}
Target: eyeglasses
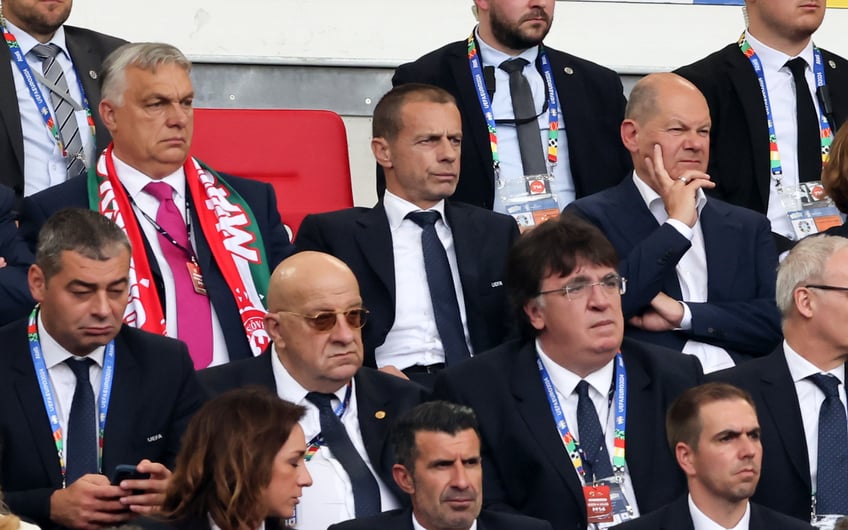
{"x": 827, "y": 287}
{"x": 326, "y": 320}
{"x": 611, "y": 283}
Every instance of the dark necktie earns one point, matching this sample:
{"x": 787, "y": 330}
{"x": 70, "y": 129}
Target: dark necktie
{"x": 366, "y": 492}
{"x": 194, "y": 314}
{"x": 82, "y": 425}
{"x": 809, "y": 135}
{"x": 442, "y": 289}
{"x": 529, "y": 137}
{"x": 832, "y": 458}
{"x": 62, "y": 110}
{"x": 592, "y": 442}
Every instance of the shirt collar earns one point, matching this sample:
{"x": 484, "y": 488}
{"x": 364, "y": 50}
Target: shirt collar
{"x": 288, "y": 387}
{"x": 654, "y": 202}
{"x": 566, "y": 381}
{"x": 800, "y": 368}
{"x": 55, "y": 354}
{"x": 27, "y": 42}
{"x": 135, "y": 181}
{"x": 397, "y": 209}
{"x": 775, "y": 60}
{"x": 702, "y": 522}
{"x": 493, "y": 57}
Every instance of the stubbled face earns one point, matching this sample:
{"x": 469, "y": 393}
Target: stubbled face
{"x": 39, "y": 18}
{"x": 776, "y": 22}
{"x": 288, "y": 476}
{"x": 517, "y": 24}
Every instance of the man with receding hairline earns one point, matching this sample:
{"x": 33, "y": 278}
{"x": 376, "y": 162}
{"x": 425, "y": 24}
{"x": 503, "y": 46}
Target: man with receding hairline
{"x": 700, "y": 272}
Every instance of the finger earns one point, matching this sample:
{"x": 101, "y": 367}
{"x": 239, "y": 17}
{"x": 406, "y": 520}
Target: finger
{"x": 144, "y": 499}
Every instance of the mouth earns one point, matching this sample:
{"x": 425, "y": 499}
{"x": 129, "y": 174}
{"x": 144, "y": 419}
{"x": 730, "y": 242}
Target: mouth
{"x": 98, "y": 330}
{"x": 603, "y": 323}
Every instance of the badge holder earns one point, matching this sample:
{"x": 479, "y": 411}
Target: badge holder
{"x": 825, "y": 522}
{"x": 530, "y": 201}
{"x": 809, "y": 210}
{"x": 606, "y": 505}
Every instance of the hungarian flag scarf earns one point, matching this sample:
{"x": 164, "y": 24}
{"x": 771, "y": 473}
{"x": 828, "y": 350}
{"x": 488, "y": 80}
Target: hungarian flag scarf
{"x": 226, "y": 222}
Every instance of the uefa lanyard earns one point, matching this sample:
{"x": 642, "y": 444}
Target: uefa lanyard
{"x": 619, "y": 398}
{"x": 315, "y": 443}
{"x": 35, "y": 92}
{"x": 48, "y": 394}
{"x": 164, "y": 233}
{"x": 824, "y": 126}
{"x": 474, "y": 61}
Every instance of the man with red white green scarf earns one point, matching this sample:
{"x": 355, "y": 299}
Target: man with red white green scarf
{"x": 203, "y": 243}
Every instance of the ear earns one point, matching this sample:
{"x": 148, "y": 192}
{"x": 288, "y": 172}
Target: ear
{"x": 271, "y": 321}
{"x": 684, "y": 455}
{"x": 107, "y": 114}
{"x": 630, "y": 135}
{"x": 535, "y": 314}
{"x": 382, "y": 151}
{"x": 403, "y": 478}
{"x": 37, "y": 282}
{"x": 804, "y": 303}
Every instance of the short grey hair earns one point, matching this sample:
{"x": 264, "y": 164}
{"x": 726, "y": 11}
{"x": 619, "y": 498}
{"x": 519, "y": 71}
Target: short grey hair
{"x": 145, "y": 55}
{"x": 806, "y": 262}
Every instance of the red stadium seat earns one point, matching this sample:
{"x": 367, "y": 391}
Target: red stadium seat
{"x": 301, "y": 153}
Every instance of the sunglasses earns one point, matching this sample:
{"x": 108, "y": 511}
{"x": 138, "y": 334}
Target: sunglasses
{"x": 326, "y": 320}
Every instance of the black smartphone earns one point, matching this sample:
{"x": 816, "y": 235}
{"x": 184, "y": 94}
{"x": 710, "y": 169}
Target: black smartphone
{"x": 127, "y": 472}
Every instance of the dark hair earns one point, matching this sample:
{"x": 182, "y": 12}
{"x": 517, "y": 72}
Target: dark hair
{"x": 835, "y": 173}
{"x": 683, "y": 419}
{"x": 433, "y": 416}
{"x": 78, "y": 230}
{"x": 557, "y": 246}
{"x": 226, "y": 458}
{"x": 386, "y": 122}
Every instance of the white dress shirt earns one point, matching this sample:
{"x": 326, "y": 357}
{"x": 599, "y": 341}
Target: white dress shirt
{"x": 414, "y": 338}
{"x": 600, "y": 382}
{"x": 330, "y": 498}
{"x": 810, "y": 398}
{"x": 702, "y": 522}
{"x": 512, "y": 171}
{"x": 692, "y": 274}
{"x": 44, "y": 165}
{"x": 781, "y": 91}
{"x": 134, "y": 181}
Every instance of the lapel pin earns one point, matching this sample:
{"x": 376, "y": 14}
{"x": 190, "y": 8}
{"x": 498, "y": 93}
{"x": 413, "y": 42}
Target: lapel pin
{"x": 380, "y": 414}
{"x": 568, "y": 70}
{"x": 832, "y": 64}
{"x": 92, "y": 74}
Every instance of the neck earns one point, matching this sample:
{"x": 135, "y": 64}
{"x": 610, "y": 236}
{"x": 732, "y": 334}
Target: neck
{"x": 788, "y": 45}
{"x": 812, "y": 347}
{"x": 43, "y": 38}
{"x": 726, "y": 513}
{"x": 574, "y": 362}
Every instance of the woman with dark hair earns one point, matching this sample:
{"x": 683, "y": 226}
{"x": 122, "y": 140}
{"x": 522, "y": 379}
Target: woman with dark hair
{"x": 835, "y": 178}
{"x": 240, "y": 466}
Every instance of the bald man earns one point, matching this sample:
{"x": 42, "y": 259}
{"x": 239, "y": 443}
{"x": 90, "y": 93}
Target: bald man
{"x": 315, "y": 320}
{"x": 700, "y": 273}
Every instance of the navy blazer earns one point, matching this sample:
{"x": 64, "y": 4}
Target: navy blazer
{"x": 592, "y": 107}
{"x": 154, "y": 394}
{"x": 740, "y": 314}
{"x": 526, "y": 467}
{"x": 262, "y": 200}
{"x": 88, "y": 49}
{"x": 375, "y": 391}
{"x": 401, "y": 519}
{"x": 361, "y": 238}
{"x": 15, "y": 298}
{"x": 785, "y": 460}
{"x": 676, "y": 516}
{"x": 739, "y": 138}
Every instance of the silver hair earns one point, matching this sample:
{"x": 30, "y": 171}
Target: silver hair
{"x": 806, "y": 262}
{"x": 145, "y": 55}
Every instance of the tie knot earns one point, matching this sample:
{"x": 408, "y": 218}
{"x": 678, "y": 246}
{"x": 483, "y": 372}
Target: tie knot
{"x": 514, "y": 65}
{"x": 46, "y": 51}
{"x": 829, "y": 384}
{"x": 320, "y": 400}
{"x": 79, "y": 367}
{"x": 423, "y": 219}
{"x": 797, "y": 66}
{"x": 582, "y": 389}
{"x": 161, "y": 190}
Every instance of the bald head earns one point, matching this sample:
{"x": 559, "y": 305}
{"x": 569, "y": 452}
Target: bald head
{"x": 650, "y": 90}
{"x": 300, "y": 271}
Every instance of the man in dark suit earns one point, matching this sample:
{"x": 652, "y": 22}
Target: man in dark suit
{"x": 792, "y": 405}
{"x": 416, "y": 139}
{"x": 700, "y": 272}
{"x": 437, "y": 445}
{"x": 714, "y": 434}
{"x": 747, "y": 170}
{"x": 73, "y": 348}
{"x": 30, "y": 157}
{"x": 552, "y": 407}
{"x": 589, "y": 157}
{"x": 202, "y": 281}
{"x": 314, "y": 318}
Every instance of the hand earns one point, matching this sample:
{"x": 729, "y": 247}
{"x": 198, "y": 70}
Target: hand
{"x": 392, "y": 370}
{"x": 679, "y": 195}
{"x": 665, "y": 314}
{"x": 2, "y": 262}
{"x": 90, "y": 503}
{"x": 153, "y": 488}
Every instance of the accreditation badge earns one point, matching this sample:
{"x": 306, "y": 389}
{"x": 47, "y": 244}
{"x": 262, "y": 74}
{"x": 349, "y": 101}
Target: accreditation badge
{"x": 809, "y": 209}
{"x": 606, "y": 505}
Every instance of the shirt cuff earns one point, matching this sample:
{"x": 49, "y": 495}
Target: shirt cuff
{"x": 686, "y": 323}
{"x": 681, "y": 227}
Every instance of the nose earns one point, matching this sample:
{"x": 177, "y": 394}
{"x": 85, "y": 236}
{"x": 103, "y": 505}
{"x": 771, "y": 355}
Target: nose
{"x": 459, "y": 478}
{"x": 179, "y": 114}
{"x": 304, "y": 479}
{"x": 342, "y": 332}
{"x": 598, "y": 297}
{"x": 99, "y": 306}
{"x": 748, "y": 446}
{"x": 695, "y": 141}
{"x": 448, "y": 150}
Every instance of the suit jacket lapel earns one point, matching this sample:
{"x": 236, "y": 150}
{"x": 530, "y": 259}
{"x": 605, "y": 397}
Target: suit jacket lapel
{"x": 87, "y": 67}
{"x": 376, "y": 413}
{"x": 677, "y": 516}
{"x": 570, "y": 89}
{"x": 639, "y": 425}
{"x": 469, "y": 104}
{"x": 535, "y": 410}
{"x": 9, "y": 110}
{"x": 721, "y": 260}
{"x": 259, "y": 371}
{"x": 126, "y": 390}
{"x": 375, "y": 240}
{"x": 467, "y": 236}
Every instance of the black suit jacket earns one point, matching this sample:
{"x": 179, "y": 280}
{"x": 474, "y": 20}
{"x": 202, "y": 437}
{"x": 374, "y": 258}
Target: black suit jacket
{"x": 785, "y": 484}
{"x": 676, "y": 516}
{"x": 739, "y": 139}
{"x": 740, "y": 314}
{"x": 361, "y": 238}
{"x": 525, "y": 464}
{"x": 88, "y": 49}
{"x": 375, "y": 391}
{"x": 15, "y": 298}
{"x": 191, "y": 523}
{"x": 592, "y": 107}
{"x": 154, "y": 394}
{"x": 262, "y": 200}
{"x": 402, "y": 520}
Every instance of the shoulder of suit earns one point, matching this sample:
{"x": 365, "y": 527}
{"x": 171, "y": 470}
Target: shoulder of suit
{"x": 388, "y": 384}
{"x": 666, "y": 363}
{"x": 745, "y": 215}
{"x": 776, "y": 519}
{"x": 91, "y": 35}
{"x": 513, "y": 520}
{"x": 341, "y": 217}
{"x": 709, "y": 70}
{"x": 561, "y": 58}
{"x": 489, "y": 215}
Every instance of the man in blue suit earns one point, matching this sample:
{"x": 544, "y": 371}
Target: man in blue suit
{"x": 700, "y": 272}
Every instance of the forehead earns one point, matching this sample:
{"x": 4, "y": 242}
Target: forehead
{"x": 165, "y": 78}
{"x": 76, "y": 266}
{"x": 584, "y": 269}
{"x": 435, "y": 444}
{"x": 323, "y": 291}
{"x": 419, "y": 117}
{"x": 681, "y": 103}
{"x": 727, "y": 414}
{"x": 837, "y": 264}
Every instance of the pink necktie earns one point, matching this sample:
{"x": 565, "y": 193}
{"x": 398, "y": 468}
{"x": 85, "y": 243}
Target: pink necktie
{"x": 194, "y": 314}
